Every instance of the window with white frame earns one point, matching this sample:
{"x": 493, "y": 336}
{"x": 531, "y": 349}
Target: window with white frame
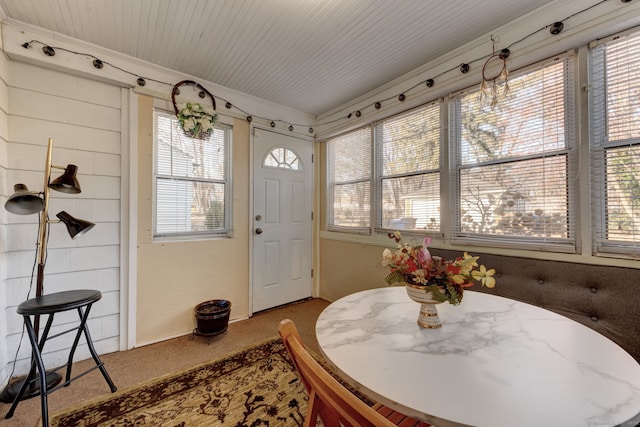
{"x": 403, "y": 188}
{"x": 615, "y": 133}
{"x": 514, "y": 166}
{"x": 192, "y": 181}
{"x": 408, "y": 172}
{"x": 349, "y": 181}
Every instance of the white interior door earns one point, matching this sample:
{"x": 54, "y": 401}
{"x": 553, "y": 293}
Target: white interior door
{"x": 282, "y": 219}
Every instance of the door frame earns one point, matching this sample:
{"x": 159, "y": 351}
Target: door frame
{"x": 252, "y": 167}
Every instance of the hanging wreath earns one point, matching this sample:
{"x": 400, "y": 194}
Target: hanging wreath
{"x": 196, "y": 121}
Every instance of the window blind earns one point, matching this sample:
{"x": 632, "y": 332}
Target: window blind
{"x": 515, "y": 166}
{"x": 192, "y": 180}
{"x": 408, "y": 169}
{"x": 349, "y": 181}
{"x": 615, "y": 117}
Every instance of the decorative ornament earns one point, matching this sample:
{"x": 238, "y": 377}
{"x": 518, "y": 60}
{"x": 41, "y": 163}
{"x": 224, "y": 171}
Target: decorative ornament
{"x": 196, "y": 121}
{"x": 496, "y": 88}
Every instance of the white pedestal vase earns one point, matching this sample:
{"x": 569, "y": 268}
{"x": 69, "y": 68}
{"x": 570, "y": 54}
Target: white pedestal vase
{"x": 428, "y": 317}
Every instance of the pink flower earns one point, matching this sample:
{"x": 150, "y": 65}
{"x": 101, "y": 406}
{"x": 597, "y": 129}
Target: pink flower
{"x": 424, "y": 255}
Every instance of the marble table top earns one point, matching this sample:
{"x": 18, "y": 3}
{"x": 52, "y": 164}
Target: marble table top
{"x": 494, "y": 362}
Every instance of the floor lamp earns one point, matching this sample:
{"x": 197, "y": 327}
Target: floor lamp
{"x": 25, "y": 202}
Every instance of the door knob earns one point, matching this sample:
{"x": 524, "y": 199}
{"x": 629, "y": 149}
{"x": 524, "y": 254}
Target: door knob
{"x": 258, "y": 230}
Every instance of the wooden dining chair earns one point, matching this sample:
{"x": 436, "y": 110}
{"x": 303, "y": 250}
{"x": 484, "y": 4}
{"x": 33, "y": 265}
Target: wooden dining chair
{"x": 330, "y": 400}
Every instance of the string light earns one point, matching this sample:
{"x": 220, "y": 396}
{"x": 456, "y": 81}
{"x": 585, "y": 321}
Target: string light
{"x": 48, "y": 50}
{"x": 554, "y": 28}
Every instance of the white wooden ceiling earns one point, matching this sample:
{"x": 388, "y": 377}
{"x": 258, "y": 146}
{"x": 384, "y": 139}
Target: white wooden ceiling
{"x": 310, "y": 55}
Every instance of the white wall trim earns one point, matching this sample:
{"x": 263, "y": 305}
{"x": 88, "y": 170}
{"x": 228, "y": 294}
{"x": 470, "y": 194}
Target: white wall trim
{"x": 129, "y": 209}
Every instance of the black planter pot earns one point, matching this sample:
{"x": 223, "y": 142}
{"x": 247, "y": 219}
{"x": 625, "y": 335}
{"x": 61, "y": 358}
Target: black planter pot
{"x": 212, "y": 317}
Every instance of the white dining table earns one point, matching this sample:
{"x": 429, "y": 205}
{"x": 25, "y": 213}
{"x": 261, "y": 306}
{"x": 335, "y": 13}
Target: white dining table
{"x": 495, "y": 362}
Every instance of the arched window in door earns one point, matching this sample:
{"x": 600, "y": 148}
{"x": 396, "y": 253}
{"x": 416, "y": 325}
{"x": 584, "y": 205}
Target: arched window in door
{"x": 283, "y": 158}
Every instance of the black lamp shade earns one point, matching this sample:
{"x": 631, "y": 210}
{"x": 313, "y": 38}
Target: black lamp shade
{"x": 23, "y": 201}
{"x": 67, "y": 182}
{"x": 75, "y": 226}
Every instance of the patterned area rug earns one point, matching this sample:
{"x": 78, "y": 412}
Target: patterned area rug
{"x": 255, "y": 387}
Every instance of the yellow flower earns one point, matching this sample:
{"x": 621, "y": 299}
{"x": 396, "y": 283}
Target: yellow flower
{"x": 471, "y": 260}
{"x": 467, "y": 263}
{"x": 458, "y": 278}
{"x": 484, "y": 276}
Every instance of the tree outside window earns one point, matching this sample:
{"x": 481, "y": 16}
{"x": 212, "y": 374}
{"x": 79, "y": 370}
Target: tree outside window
{"x": 513, "y": 162}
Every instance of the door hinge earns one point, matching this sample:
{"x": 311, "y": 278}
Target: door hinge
{"x": 313, "y": 156}
{"x": 312, "y": 273}
{"x": 311, "y": 215}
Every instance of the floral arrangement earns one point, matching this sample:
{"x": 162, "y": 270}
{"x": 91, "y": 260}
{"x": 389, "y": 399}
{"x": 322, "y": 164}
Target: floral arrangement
{"x": 445, "y": 279}
{"x": 196, "y": 120}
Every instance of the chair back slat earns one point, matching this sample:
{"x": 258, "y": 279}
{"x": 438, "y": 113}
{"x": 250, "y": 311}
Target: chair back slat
{"x": 328, "y": 399}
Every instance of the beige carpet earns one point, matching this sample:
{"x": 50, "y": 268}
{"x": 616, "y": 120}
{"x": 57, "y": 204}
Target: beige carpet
{"x": 133, "y": 367}
{"x": 255, "y": 387}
